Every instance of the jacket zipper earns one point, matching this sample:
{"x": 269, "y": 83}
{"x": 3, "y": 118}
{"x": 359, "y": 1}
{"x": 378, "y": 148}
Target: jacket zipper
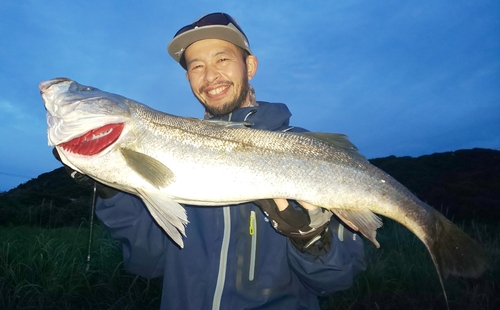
{"x": 253, "y": 245}
{"x": 221, "y": 277}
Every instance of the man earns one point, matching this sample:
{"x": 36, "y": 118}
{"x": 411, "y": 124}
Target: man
{"x": 235, "y": 257}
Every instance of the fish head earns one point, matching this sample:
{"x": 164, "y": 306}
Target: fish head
{"x": 82, "y": 120}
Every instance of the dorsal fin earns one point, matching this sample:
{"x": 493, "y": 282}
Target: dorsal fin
{"x": 337, "y": 140}
{"x": 228, "y": 123}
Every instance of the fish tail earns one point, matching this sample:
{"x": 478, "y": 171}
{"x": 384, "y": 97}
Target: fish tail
{"x": 454, "y": 252}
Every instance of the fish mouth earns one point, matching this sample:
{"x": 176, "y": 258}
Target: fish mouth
{"x": 94, "y": 141}
{"x": 43, "y": 86}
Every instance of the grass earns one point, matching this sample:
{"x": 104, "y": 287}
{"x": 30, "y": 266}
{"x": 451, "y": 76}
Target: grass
{"x": 401, "y": 275}
{"x": 46, "y": 269}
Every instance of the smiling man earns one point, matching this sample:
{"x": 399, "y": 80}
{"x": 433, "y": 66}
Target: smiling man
{"x": 269, "y": 254}
{"x": 218, "y": 73}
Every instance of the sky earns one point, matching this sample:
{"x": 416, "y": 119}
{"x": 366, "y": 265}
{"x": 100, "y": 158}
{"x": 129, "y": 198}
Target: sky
{"x": 403, "y": 78}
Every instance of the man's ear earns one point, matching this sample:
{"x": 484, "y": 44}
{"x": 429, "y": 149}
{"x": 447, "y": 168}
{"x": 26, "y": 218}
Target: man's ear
{"x": 187, "y": 76}
{"x": 252, "y": 64}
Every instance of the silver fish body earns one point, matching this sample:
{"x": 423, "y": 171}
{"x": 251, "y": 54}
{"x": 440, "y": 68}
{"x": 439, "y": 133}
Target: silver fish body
{"x": 167, "y": 160}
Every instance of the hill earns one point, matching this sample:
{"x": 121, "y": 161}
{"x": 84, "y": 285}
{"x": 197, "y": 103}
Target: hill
{"x": 463, "y": 184}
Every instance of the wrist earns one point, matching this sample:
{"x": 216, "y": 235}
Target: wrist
{"x": 105, "y": 192}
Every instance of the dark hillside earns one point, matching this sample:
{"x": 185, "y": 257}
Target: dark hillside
{"x": 461, "y": 184}
{"x": 52, "y": 199}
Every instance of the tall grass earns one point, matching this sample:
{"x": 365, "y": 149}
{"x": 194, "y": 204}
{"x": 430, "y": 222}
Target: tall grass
{"x": 46, "y": 269}
{"x": 401, "y": 275}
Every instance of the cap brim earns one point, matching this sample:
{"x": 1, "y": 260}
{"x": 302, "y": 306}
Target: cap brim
{"x": 227, "y": 33}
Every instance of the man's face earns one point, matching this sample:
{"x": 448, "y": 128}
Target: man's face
{"x": 218, "y": 75}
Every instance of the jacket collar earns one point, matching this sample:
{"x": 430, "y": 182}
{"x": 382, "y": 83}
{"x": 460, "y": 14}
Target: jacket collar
{"x": 265, "y": 115}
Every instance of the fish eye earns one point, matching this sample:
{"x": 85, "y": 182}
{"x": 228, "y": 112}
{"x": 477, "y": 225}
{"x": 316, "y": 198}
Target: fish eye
{"x": 85, "y": 88}
{"x": 75, "y": 87}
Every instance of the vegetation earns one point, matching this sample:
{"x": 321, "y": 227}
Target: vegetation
{"x": 400, "y": 275}
{"x": 46, "y": 269}
{"x": 44, "y": 239}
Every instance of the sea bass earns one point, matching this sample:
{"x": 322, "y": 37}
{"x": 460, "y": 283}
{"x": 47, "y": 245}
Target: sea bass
{"x": 167, "y": 160}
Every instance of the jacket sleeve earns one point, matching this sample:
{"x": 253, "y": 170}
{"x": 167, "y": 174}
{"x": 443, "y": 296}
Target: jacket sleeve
{"x": 127, "y": 220}
{"x": 335, "y": 270}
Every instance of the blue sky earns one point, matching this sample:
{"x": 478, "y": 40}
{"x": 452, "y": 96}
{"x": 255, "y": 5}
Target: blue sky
{"x": 404, "y": 78}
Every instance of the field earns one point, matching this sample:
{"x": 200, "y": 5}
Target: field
{"x": 47, "y": 269}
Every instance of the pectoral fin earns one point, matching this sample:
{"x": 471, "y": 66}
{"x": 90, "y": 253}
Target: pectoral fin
{"x": 149, "y": 168}
{"x": 170, "y": 215}
{"x": 366, "y": 222}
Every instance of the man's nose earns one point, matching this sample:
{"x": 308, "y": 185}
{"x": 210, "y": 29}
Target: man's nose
{"x": 211, "y": 74}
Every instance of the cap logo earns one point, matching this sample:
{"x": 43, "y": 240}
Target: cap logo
{"x": 180, "y": 52}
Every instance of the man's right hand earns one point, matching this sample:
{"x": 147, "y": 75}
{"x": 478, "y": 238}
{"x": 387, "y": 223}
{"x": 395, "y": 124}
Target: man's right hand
{"x": 102, "y": 190}
{"x": 307, "y": 229}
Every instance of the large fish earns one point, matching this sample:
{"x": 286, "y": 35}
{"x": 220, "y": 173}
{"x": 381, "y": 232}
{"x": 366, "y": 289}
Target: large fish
{"x": 167, "y": 160}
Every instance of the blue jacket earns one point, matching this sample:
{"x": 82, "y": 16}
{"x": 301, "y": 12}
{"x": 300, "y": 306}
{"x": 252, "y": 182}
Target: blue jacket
{"x": 232, "y": 258}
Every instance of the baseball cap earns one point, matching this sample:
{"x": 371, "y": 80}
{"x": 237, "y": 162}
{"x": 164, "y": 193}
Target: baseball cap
{"x": 211, "y": 26}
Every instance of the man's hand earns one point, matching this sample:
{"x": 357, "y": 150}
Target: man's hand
{"x": 306, "y": 227}
{"x": 102, "y": 190}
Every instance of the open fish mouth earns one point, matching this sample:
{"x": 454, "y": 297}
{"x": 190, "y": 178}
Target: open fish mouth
{"x": 94, "y": 141}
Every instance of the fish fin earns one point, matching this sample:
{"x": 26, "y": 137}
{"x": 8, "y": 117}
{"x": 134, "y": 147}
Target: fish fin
{"x": 364, "y": 221}
{"x": 170, "y": 215}
{"x": 453, "y": 251}
{"x": 228, "y": 124}
{"x": 152, "y": 170}
{"x": 337, "y": 140}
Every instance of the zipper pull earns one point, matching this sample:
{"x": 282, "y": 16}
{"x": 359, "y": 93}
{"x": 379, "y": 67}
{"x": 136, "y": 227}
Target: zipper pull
{"x": 252, "y": 223}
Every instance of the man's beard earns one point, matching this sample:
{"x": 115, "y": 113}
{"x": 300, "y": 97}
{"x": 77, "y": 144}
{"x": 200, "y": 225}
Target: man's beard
{"x": 230, "y": 106}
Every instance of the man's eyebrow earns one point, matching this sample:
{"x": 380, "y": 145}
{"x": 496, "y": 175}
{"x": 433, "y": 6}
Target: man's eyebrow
{"x": 223, "y": 51}
{"x": 227, "y": 51}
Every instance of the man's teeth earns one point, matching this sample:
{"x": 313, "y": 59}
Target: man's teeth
{"x": 217, "y": 90}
